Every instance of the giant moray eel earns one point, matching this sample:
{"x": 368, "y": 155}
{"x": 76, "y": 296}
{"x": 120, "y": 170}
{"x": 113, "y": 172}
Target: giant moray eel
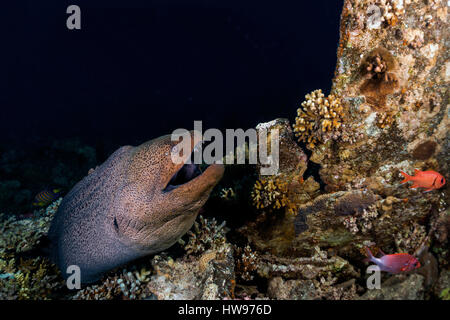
{"x": 136, "y": 203}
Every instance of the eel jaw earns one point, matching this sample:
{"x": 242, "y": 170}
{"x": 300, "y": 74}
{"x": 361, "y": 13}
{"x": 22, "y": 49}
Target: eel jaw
{"x": 186, "y": 173}
{"x": 195, "y": 192}
{"x": 190, "y": 183}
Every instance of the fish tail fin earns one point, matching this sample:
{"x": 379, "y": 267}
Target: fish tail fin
{"x": 407, "y": 177}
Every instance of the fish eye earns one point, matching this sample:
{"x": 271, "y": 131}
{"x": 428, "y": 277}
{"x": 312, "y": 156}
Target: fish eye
{"x": 442, "y": 180}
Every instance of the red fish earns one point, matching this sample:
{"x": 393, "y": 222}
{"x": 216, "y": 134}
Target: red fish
{"x": 430, "y": 180}
{"x": 394, "y": 263}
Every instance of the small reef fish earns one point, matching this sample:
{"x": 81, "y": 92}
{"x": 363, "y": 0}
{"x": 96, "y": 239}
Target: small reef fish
{"x": 44, "y": 198}
{"x": 394, "y": 263}
{"x": 430, "y": 180}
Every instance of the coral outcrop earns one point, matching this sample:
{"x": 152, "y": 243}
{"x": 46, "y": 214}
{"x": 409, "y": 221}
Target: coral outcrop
{"x": 301, "y": 233}
{"x": 387, "y": 112}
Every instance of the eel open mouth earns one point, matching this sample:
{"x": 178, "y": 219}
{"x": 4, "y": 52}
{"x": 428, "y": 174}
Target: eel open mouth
{"x": 189, "y": 171}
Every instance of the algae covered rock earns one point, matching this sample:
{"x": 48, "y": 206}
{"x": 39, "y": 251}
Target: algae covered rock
{"x": 210, "y": 277}
{"x": 291, "y": 289}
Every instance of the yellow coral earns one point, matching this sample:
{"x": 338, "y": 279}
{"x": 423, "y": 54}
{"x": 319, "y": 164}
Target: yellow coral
{"x": 272, "y": 193}
{"x": 318, "y": 116}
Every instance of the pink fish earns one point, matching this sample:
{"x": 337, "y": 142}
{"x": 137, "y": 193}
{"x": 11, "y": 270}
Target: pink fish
{"x": 394, "y": 263}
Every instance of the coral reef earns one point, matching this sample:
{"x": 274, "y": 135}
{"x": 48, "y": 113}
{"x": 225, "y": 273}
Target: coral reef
{"x": 399, "y": 287}
{"x": 301, "y": 233}
{"x": 246, "y": 263}
{"x": 23, "y": 277}
{"x": 209, "y": 278}
{"x": 127, "y": 285}
{"x": 38, "y": 165}
{"x": 206, "y": 235}
{"x": 272, "y": 193}
{"x": 442, "y": 289}
{"x": 318, "y": 277}
{"x": 390, "y": 93}
{"x": 21, "y": 235}
{"x": 318, "y": 222}
{"x": 206, "y": 271}
{"x": 317, "y": 265}
{"x": 228, "y": 194}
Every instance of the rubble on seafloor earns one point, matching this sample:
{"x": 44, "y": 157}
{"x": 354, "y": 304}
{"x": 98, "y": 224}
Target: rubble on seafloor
{"x": 337, "y": 190}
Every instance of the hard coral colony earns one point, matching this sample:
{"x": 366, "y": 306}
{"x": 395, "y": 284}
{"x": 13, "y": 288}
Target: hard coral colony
{"x": 272, "y": 193}
{"x": 319, "y": 118}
